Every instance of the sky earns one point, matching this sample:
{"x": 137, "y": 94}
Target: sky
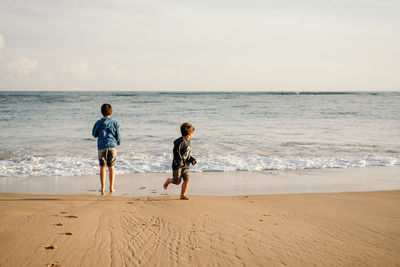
{"x": 182, "y": 45}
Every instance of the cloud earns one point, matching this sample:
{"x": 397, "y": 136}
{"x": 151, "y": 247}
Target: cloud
{"x": 116, "y": 72}
{"x": 22, "y": 66}
{"x": 393, "y": 3}
{"x": 2, "y": 42}
{"x": 51, "y": 9}
{"x": 126, "y": 6}
{"x": 78, "y": 70}
{"x": 390, "y": 3}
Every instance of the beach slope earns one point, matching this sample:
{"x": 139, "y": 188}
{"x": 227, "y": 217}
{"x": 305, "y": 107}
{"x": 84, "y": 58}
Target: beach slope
{"x": 335, "y": 229}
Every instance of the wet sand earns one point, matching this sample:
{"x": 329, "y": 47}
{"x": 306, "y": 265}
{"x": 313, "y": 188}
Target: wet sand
{"x": 217, "y": 183}
{"x": 334, "y": 229}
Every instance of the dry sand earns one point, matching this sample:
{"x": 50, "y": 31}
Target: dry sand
{"x": 338, "y": 229}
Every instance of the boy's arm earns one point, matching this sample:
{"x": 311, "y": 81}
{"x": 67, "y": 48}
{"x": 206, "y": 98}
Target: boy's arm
{"x": 185, "y": 154}
{"x": 178, "y": 154}
{"x": 95, "y": 132}
{"x": 117, "y": 134}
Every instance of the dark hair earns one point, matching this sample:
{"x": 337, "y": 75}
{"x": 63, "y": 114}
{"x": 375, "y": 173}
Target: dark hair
{"x": 187, "y": 129}
{"x": 106, "y": 109}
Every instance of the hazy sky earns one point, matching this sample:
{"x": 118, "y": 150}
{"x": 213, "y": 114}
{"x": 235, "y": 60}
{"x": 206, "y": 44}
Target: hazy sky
{"x": 200, "y": 45}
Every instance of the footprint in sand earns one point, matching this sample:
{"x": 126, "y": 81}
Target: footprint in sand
{"x": 266, "y": 215}
{"x": 129, "y": 202}
{"x": 50, "y": 247}
{"x": 142, "y": 188}
{"x": 72, "y": 216}
{"x": 59, "y": 224}
{"x": 151, "y": 224}
{"x": 53, "y": 264}
{"x": 63, "y": 212}
{"x": 261, "y": 220}
{"x": 67, "y": 233}
{"x": 153, "y": 191}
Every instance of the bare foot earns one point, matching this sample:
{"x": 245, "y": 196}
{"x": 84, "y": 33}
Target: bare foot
{"x": 112, "y": 189}
{"x": 102, "y": 191}
{"x": 166, "y": 184}
{"x": 184, "y": 198}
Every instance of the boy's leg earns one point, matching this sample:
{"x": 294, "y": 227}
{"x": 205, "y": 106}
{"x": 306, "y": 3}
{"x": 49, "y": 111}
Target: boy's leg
{"x": 102, "y": 177}
{"x": 167, "y": 182}
{"x": 111, "y": 159}
{"x": 176, "y": 178}
{"x": 184, "y": 189}
{"x": 185, "y": 176}
{"x": 111, "y": 176}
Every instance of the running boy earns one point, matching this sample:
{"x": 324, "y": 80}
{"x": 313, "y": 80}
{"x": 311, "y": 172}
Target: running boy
{"x": 107, "y": 131}
{"x": 182, "y": 159}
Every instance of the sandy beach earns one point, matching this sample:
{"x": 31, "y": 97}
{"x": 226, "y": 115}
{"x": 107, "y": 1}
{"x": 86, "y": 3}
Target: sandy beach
{"x": 331, "y": 229}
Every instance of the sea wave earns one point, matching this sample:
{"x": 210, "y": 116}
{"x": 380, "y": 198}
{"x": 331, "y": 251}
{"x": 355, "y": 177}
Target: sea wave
{"x": 72, "y": 166}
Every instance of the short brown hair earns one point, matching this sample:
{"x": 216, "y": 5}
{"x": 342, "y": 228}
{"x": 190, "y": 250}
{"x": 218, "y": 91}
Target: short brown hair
{"x": 106, "y": 109}
{"x": 186, "y": 129}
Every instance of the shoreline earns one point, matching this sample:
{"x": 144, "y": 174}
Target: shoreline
{"x": 366, "y": 179}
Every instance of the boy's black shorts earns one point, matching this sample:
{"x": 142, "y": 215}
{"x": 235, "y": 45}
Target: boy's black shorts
{"x": 179, "y": 174}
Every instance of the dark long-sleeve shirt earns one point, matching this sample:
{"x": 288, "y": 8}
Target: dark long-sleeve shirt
{"x": 182, "y": 153}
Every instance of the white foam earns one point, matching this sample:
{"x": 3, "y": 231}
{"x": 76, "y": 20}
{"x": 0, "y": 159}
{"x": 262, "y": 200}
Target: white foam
{"x": 71, "y": 166}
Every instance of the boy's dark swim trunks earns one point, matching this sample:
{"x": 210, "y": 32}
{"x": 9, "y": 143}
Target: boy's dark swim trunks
{"x": 179, "y": 174}
{"x": 108, "y": 156}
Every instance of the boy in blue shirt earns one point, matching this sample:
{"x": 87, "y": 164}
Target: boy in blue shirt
{"x": 108, "y": 138}
{"x": 182, "y": 159}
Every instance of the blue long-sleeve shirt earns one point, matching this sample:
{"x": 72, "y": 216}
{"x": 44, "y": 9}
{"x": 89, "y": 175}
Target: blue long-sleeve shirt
{"x": 107, "y": 132}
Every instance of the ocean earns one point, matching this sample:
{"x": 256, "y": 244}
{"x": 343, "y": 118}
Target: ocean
{"x": 49, "y": 133}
